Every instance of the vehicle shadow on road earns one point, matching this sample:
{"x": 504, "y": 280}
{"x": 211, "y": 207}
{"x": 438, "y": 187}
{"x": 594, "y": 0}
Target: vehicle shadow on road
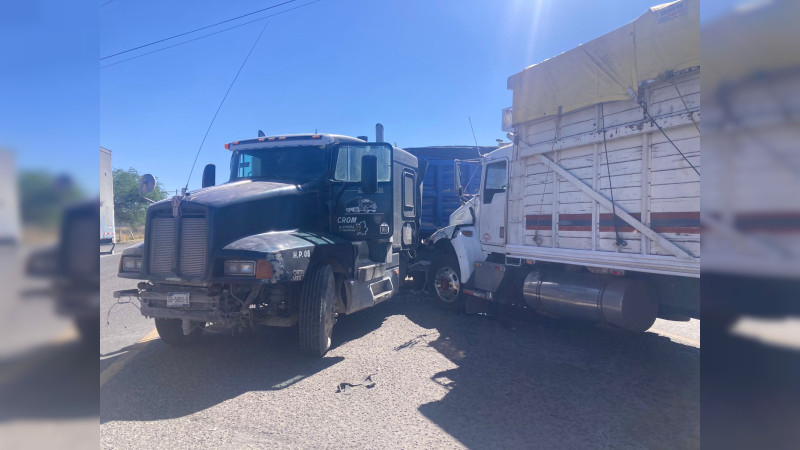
{"x": 542, "y": 382}
{"x": 54, "y": 381}
{"x": 165, "y": 382}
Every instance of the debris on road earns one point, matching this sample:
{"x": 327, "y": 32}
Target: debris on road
{"x": 346, "y": 388}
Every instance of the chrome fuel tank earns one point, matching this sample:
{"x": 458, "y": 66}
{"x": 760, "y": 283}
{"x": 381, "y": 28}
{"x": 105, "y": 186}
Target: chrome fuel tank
{"x": 626, "y": 303}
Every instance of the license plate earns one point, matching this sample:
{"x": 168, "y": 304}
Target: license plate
{"x": 177, "y": 299}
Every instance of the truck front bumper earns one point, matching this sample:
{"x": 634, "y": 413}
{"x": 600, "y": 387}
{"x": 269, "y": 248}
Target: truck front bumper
{"x": 202, "y": 306}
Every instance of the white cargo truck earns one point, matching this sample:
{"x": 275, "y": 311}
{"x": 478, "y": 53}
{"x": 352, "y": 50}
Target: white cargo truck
{"x": 9, "y": 200}
{"x": 107, "y": 233}
{"x": 594, "y": 211}
{"x": 751, "y": 207}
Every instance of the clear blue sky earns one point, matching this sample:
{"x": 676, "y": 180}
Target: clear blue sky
{"x": 337, "y": 66}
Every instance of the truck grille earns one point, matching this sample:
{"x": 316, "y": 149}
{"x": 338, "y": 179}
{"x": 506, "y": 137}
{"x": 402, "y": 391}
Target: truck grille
{"x": 161, "y": 245}
{"x": 193, "y": 246}
{"x": 192, "y": 249}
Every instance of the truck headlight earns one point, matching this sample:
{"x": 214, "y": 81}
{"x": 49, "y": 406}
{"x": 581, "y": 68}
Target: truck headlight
{"x": 240, "y": 268}
{"x": 131, "y": 264}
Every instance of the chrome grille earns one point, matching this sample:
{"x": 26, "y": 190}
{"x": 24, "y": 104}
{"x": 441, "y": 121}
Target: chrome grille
{"x": 161, "y": 245}
{"x": 194, "y": 234}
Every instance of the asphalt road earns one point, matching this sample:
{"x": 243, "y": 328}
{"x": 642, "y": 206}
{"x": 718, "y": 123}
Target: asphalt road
{"x": 48, "y": 377}
{"x": 402, "y": 374}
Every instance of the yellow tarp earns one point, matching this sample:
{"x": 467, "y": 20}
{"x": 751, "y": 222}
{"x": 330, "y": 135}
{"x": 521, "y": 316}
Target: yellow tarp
{"x": 747, "y": 42}
{"x": 666, "y": 37}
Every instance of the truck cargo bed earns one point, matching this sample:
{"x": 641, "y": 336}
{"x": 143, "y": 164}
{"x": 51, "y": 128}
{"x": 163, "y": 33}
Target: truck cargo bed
{"x": 566, "y": 171}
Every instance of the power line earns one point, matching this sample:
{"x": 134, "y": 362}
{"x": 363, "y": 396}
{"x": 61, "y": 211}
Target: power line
{"x": 223, "y": 101}
{"x": 209, "y": 34}
{"x": 105, "y": 3}
{"x": 197, "y": 29}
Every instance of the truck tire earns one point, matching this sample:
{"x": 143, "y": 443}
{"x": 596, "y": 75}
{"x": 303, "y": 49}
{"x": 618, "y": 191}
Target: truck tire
{"x": 317, "y": 311}
{"x": 171, "y": 332}
{"x": 446, "y": 284}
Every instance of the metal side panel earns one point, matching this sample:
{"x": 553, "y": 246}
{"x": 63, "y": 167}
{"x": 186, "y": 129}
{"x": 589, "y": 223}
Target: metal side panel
{"x": 364, "y": 294}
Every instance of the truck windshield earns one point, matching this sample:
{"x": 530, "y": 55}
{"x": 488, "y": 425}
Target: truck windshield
{"x": 287, "y": 164}
{"x": 348, "y": 162}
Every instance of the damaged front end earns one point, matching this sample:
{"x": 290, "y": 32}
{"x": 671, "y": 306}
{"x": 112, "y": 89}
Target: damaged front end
{"x": 222, "y": 305}
{"x": 256, "y": 280}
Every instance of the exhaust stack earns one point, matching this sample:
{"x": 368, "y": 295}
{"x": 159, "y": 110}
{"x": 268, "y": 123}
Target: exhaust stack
{"x": 378, "y": 132}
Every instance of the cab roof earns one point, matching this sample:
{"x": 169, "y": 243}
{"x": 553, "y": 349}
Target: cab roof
{"x": 301, "y": 140}
{"x": 291, "y": 140}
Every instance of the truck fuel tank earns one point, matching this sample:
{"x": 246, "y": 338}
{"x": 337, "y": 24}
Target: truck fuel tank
{"x": 626, "y": 303}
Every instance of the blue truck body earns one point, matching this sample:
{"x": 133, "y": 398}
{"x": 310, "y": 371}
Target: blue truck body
{"x": 439, "y": 197}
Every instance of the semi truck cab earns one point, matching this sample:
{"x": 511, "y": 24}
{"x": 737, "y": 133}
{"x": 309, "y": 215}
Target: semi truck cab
{"x": 307, "y": 227}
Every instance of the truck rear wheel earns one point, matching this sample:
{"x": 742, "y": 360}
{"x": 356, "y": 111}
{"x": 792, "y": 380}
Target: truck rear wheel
{"x": 446, "y": 283}
{"x": 171, "y": 331}
{"x": 317, "y": 311}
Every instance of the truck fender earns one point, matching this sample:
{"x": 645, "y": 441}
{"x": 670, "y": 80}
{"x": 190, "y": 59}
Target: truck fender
{"x": 465, "y": 244}
{"x": 292, "y": 253}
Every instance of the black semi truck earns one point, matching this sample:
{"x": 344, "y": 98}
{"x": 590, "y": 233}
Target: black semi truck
{"x": 281, "y": 243}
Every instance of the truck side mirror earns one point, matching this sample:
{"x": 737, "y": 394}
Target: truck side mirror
{"x": 146, "y": 184}
{"x": 209, "y": 175}
{"x": 369, "y": 174}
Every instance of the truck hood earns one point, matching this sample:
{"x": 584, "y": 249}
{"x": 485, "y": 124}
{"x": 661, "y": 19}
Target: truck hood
{"x": 465, "y": 214}
{"x": 241, "y": 192}
{"x": 244, "y": 208}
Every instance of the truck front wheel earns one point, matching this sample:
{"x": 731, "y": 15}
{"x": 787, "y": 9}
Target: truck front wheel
{"x": 446, "y": 282}
{"x": 171, "y": 331}
{"x": 317, "y": 311}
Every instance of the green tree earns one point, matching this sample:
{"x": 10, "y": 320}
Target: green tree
{"x": 129, "y": 207}
{"x": 43, "y": 197}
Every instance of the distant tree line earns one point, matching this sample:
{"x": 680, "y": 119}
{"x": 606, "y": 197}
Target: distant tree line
{"x": 43, "y": 197}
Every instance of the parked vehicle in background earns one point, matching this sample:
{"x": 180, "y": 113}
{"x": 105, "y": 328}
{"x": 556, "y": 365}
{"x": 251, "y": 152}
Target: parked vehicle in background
{"x": 9, "y": 200}
{"x": 73, "y": 267}
{"x": 107, "y": 231}
{"x": 440, "y": 197}
{"x": 751, "y": 210}
{"x": 594, "y": 211}
{"x": 307, "y": 228}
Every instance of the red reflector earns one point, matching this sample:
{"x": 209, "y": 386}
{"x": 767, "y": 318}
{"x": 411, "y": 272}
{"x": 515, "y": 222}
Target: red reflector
{"x": 235, "y": 142}
{"x": 316, "y": 136}
{"x": 466, "y": 233}
{"x": 263, "y": 269}
{"x": 617, "y": 272}
{"x": 260, "y": 139}
{"x": 227, "y": 146}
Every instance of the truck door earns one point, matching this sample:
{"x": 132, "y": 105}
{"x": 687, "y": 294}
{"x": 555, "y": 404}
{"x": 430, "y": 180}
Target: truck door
{"x": 359, "y": 215}
{"x": 492, "y": 214}
{"x": 410, "y": 207}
